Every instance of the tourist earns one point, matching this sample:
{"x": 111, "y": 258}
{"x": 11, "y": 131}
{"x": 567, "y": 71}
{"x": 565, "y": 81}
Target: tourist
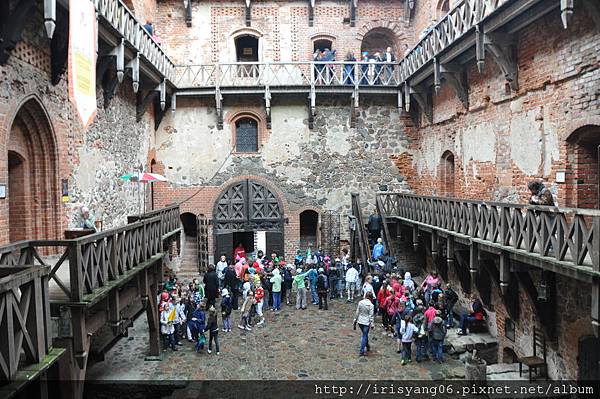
{"x": 405, "y": 335}
{"x": 288, "y": 279}
{"x": 368, "y": 286}
{"x": 450, "y": 297}
{"x": 300, "y": 289}
{"x": 167, "y": 328}
{"x": 474, "y": 312}
{"x": 359, "y": 269}
{"x": 430, "y": 312}
{"x": 374, "y": 226}
{"x": 232, "y": 283}
{"x": 364, "y": 319}
{"x": 421, "y": 340}
{"x": 378, "y": 249}
{"x": 87, "y": 219}
{"x": 298, "y": 260}
{"x": 382, "y": 295}
{"x": 392, "y": 303}
{"x": 408, "y": 303}
{"x": 276, "y": 281}
{"x": 213, "y": 330}
{"x": 389, "y": 58}
{"x": 226, "y": 308}
{"x": 341, "y": 282}
{"x": 429, "y": 283}
{"x": 540, "y": 195}
{"x": 364, "y": 69}
{"x": 437, "y": 291}
{"x": 349, "y": 68}
{"x": 239, "y": 252}
{"x": 259, "y": 294}
{"x": 211, "y": 286}
{"x": 312, "y": 280}
{"x": 322, "y": 286}
{"x": 221, "y": 269}
{"x": 437, "y": 333}
{"x": 333, "y": 276}
{"x": 408, "y": 282}
{"x": 375, "y": 63}
{"x": 149, "y": 28}
{"x": 198, "y": 325}
{"x": 245, "y": 312}
{"x": 351, "y": 280}
{"x": 180, "y": 319}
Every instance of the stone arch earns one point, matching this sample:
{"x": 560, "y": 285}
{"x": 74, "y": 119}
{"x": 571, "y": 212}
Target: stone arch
{"x": 189, "y": 221}
{"x": 378, "y": 39}
{"x": 582, "y": 172}
{"x": 32, "y": 155}
{"x": 377, "y": 30}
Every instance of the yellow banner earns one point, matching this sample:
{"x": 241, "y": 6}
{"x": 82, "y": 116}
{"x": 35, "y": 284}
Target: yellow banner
{"x": 82, "y": 59}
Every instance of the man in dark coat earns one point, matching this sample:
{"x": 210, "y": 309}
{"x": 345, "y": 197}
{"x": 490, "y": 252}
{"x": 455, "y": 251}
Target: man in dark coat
{"x": 211, "y": 286}
{"x": 232, "y": 283}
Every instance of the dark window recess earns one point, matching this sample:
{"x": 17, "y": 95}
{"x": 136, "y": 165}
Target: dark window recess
{"x": 246, "y": 135}
{"x": 509, "y": 330}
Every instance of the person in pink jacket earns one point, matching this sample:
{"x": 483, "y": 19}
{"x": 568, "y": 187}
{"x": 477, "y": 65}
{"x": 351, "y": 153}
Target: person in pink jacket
{"x": 430, "y": 282}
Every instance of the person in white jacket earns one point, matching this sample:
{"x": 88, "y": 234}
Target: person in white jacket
{"x": 351, "y": 279}
{"x": 166, "y": 327}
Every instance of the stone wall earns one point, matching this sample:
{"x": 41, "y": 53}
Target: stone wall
{"x": 316, "y": 168}
{"x": 90, "y": 160}
{"x": 506, "y": 138}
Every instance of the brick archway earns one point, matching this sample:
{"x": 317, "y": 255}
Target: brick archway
{"x": 583, "y": 167}
{"x": 33, "y": 207}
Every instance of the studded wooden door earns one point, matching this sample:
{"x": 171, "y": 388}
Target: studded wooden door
{"x": 246, "y": 206}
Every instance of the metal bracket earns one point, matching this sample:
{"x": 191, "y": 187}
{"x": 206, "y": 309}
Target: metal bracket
{"x": 501, "y": 47}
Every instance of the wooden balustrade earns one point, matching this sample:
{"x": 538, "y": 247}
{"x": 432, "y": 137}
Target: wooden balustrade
{"x": 564, "y": 234}
{"x": 95, "y": 260}
{"x": 24, "y": 318}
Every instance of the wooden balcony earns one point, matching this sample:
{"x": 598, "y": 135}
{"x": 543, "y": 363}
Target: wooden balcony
{"x": 564, "y": 241}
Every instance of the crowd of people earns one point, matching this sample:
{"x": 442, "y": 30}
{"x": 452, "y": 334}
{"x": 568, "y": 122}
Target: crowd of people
{"x": 416, "y": 315}
{"x": 376, "y": 68}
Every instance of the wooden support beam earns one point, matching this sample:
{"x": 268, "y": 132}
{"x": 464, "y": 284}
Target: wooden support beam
{"x": 81, "y": 339}
{"x": 415, "y": 237}
{"x": 353, "y": 12}
{"x": 268, "y": 106}
{"x": 50, "y": 17}
{"x": 311, "y": 12}
{"x": 114, "y": 311}
{"x": 456, "y": 76}
{"x": 144, "y": 99}
{"x": 435, "y": 245}
{"x": 109, "y": 88}
{"x": 502, "y": 48}
{"x": 423, "y": 98}
{"x": 219, "y": 107}
{"x": 134, "y": 65}
{"x": 504, "y": 272}
{"x": 474, "y": 258}
{"x": 450, "y": 245}
{"x": 12, "y": 25}
{"x": 354, "y": 111}
{"x": 248, "y": 12}
{"x": 312, "y": 102}
{"x": 151, "y": 306}
{"x": 188, "y": 12}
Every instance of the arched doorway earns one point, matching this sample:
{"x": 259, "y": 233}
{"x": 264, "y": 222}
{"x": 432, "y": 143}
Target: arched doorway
{"x": 190, "y": 224}
{"x": 583, "y": 168}
{"x": 32, "y": 175}
{"x": 309, "y": 226}
{"x": 447, "y": 166}
{"x": 249, "y": 213}
{"x": 378, "y": 40}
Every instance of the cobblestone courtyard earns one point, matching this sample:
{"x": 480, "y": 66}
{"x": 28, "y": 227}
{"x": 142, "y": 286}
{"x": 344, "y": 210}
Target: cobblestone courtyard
{"x": 291, "y": 345}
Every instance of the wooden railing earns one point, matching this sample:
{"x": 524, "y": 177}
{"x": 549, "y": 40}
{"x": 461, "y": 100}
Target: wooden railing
{"x": 565, "y": 234}
{"x": 123, "y": 21}
{"x": 169, "y": 218}
{"x": 24, "y": 319}
{"x": 99, "y": 258}
{"x": 463, "y": 17}
{"x": 305, "y": 74}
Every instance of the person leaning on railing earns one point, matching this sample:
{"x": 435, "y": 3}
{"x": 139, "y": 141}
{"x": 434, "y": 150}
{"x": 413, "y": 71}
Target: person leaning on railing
{"x": 349, "y": 68}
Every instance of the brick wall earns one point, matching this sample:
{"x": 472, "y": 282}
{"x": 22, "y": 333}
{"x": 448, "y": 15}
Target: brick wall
{"x": 506, "y": 139}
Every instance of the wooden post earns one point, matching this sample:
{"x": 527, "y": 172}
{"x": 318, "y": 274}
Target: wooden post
{"x": 434, "y": 245}
{"x": 75, "y": 272}
{"x": 114, "y": 313}
{"x": 415, "y": 237}
{"x": 35, "y": 320}
{"x": 450, "y": 250}
{"x": 473, "y": 261}
{"x": 151, "y": 310}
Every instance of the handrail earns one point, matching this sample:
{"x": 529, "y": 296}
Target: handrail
{"x": 565, "y": 234}
{"x": 123, "y": 20}
{"x": 96, "y": 259}
{"x": 295, "y": 73}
